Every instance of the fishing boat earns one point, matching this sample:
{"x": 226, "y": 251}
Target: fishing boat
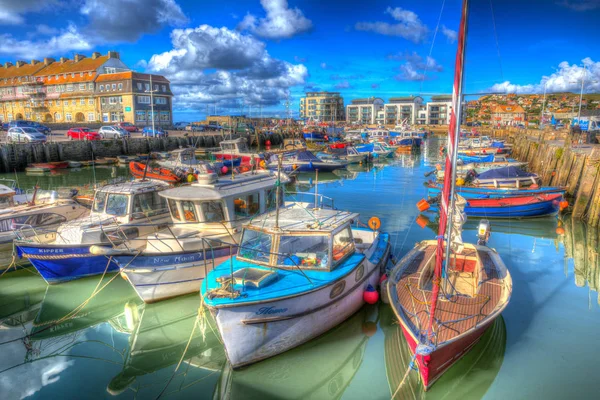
{"x": 479, "y": 167}
{"x": 39, "y": 216}
{"x": 297, "y": 274}
{"x": 120, "y": 212}
{"x": 37, "y": 170}
{"x": 375, "y": 149}
{"x": 125, "y": 160}
{"x": 313, "y": 136}
{"x": 139, "y": 171}
{"x": 207, "y": 220}
{"x": 52, "y": 165}
{"x": 305, "y": 161}
{"x": 237, "y": 148}
{"x": 379, "y": 135}
{"x": 507, "y": 177}
{"x": 446, "y": 293}
{"x": 293, "y": 144}
{"x": 181, "y": 159}
{"x": 345, "y": 153}
{"x": 434, "y": 189}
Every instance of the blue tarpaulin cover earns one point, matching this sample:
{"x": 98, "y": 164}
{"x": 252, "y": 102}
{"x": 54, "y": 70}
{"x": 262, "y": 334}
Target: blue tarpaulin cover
{"x": 505, "y": 172}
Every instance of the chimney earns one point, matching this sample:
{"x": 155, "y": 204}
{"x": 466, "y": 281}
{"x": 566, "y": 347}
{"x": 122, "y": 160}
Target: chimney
{"x": 7, "y": 65}
{"x": 20, "y": 63}
{"x": 48, "y": 61}
{"x": 63, "y": 59}
{"x": 33, "y": 62}
{"x": 95, "y": 55}
{"x": 79, "y": 57}
{"x": 113, "y": 54}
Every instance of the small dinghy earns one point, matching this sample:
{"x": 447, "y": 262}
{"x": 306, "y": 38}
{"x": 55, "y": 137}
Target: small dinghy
{"x": 160, "y": 174}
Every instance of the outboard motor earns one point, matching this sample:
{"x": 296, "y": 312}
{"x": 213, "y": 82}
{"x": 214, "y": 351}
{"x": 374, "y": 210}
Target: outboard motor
{"x": 484, "y": 230}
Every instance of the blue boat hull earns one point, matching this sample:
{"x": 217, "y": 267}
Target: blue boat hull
{"x": 309, "y": 167}
{"x": 482, "y": 193}
{"x": 313, "y": 136}
{"x": 471, "y": 159}
{"x": 58, "y": 264}
{"x": 540, "y": 209}
{"x": 236, "y": 162}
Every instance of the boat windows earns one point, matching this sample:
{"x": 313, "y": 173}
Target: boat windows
{"x": 303, "y": 251}
{"x": 99, "y": 202}
{"x": 116, "y": 204}
{"x": 189, "y": 211}
{"x": 174, "y": 209}
{"x": 148, "y": 205}
{"x": 343, "y": 244}
{"x": 247, "y": 206}
{"x": 50, "y": 219}
{"x": 212, "y": 211}
{"x": 255, "y": 246}
{"x": 6, "y": 201}
{"x": 228, "y": 147}
{"x": 14, "y": 223}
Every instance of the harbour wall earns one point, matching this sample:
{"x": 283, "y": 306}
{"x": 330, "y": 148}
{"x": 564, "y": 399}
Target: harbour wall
{"x": 16, "y": 157}
{"x": 559, "y": 163}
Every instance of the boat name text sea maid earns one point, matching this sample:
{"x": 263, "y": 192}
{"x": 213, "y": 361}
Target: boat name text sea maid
{"x": 270, "y": 310}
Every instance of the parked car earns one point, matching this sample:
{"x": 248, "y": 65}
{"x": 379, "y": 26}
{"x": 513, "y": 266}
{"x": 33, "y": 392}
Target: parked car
{"x": 113, "y": 132}
{"x": 156, "y": 132}
{"x": 181, "y": 126}
{"x": 30, "y": 124}
{"x": 5, "y": 126}
{"x": 25, "y": 134}
{"x": 128, "y": 126}
{"x": 82, "y": 134}
{"x": 193, "y": 127}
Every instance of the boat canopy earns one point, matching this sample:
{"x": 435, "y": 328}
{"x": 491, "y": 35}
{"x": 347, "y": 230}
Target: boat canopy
{"x": 318, "y": 240}
{"x": 505, "y": 172}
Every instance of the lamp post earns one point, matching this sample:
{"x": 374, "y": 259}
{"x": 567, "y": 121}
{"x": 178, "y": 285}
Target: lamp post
{"x": 543, "y": 105}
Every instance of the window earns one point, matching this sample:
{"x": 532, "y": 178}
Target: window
{"x": 189, "y": 211}
{"x": 99, "y": 202}
{"x": 91, "y": 117}
{"x": 140, "y": 115}
{"x": 82, "y": 86}
{"x": 144, "y": 99}
{"x": 116, "y": 204}
{"x": 160, "y": 100}
{"x": 246, "y": 206}
{"x": 91, "y": 101}
{"x": 304, "y": 251}
{"x": 164, "y": 88}
{"x": 114, "y": 116}
{"x": 49, "y": 219}
{"x": 139, "y": 85}
{"x": 114, "y": 86}
{"x": 69, "y": 88}
{"x": 343, "y": 244}
{"x": 58, "y": 102}
{"x": 72, "y": 74}
{"x": 147, "y": 86}
{"x": 82, "y": 101}
{"x": 104, "y": 117}
{"x": 112, "y": 100}
{"x": 164, "y": 116}
{"x": 255, "y": 246}
{"x": 174, "y": 210}
{"x": 102, "y": 88}
{"x": 68, "y": 117}
{"x": 120, "y": 86}
{"x": 81, "y": 74}
{"x": 110, "y": 70}
{"x": 148, "y": 205}
{"x": 156, "y": 87}
{"x": 102, "y": 100}
{"x": 90, "y": 86}
{"x": 120, "y": 99}
{"x": 73, "y": 102}
{"x": 90, "y": 74}
{"x": 50, "y": 89}
{"x": 212, "y": 211}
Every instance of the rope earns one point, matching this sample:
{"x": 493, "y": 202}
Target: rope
{"x": 431, "y": 48}
{"x": 497, "y": 43}
{"x": 405, "y": 375}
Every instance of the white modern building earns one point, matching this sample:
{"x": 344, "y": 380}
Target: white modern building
{"x": 402, "y": 110}
{"x": 364, "y": 111}
{"x": 438, "y": 110}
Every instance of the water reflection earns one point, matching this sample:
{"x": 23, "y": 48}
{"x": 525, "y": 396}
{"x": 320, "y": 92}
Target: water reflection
{"x": 469, "y": 378}
{"x": 21, "y": 295}
{"x": 320, "y": 369}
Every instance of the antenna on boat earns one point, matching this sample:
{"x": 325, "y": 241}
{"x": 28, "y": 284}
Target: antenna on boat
{"x": 146, "y": 167}
{"x": 277, "y": 190}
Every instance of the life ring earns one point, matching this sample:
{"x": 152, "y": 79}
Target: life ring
{"x": 374, "y": 223}
{"x": 189, "y": 216}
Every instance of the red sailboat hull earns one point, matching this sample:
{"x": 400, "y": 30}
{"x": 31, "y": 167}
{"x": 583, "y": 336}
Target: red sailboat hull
{"x": 433, "y": 366}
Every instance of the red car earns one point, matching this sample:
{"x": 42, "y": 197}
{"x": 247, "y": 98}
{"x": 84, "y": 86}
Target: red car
{"x": 128, "y": 126}
{"x": 82, "y": 134}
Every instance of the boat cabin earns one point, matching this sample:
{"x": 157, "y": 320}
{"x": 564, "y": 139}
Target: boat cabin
{"x": 181, "y": 158}
{"x": 320, "y": 241}
{"x": 294, "y": 144}
{"x": 236, "y": 146}
{"x": 380, "y": 135}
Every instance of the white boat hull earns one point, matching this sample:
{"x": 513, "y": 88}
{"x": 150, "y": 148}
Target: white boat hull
{"x": 256, "y": 331}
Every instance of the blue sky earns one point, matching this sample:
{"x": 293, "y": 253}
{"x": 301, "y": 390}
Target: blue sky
{"x": 251, "y": 55}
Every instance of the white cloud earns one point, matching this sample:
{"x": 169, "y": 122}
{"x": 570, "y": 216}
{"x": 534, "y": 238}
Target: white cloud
{"x": 323, "y": 65}
{"x": 127, "y": 20}
{"x": 281, "y": 22}
{"x": 69, "y": 40}
{"x": 343, "y": 85}
{"x": 415, "y": 67}
{"x": 209, "y": 64}
{"x": 566, "y": 79}
{"x": 12, "y": 11}
{"x": 580, "y": 5}
{"x": 408, "y": 25}
{"x": 44, "y": 29}
{"x": 452, "y": 35}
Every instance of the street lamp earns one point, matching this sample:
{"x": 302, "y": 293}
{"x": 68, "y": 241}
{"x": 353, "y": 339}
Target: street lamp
{"x": 151, "y": 91}
{"x": 543, "y": 105}
{"x": 581, "y": 93}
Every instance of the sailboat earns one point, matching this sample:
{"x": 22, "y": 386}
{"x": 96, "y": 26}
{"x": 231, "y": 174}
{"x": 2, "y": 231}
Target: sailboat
{"x": 446, "y": 293}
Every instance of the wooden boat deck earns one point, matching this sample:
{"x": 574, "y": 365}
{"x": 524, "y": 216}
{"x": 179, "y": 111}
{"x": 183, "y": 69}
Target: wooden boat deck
{"x": 456, "y": 314}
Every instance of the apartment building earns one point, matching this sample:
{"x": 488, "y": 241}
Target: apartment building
{"x": 438, "y": 110}
{"x": 322, "y": 106}
{"x": 402, "y": 110}
{"x": 364, "y": 111}
{"x": 84, "y": 89}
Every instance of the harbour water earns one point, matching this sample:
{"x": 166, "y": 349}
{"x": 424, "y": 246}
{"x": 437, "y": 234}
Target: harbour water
{"x": 61, "y": 342}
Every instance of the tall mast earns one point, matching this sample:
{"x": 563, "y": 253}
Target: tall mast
{"x": 447, "y": 200}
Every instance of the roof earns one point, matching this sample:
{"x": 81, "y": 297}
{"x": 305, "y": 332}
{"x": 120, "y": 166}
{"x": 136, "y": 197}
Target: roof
{"x": 509, "y": 109}
{"x": 443, "y": 97}
{"x": 126, "y": 75}
{"x": 297, "y": 218}
{"x": 70, "y": 66}
{"x": 406, "y": 98}
{"x": 134, "y": 187}
{"x": 224, "y": 187}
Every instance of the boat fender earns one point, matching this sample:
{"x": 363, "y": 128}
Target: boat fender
{"x": 370, "y": 295}
{"x": 224, "y": 170}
